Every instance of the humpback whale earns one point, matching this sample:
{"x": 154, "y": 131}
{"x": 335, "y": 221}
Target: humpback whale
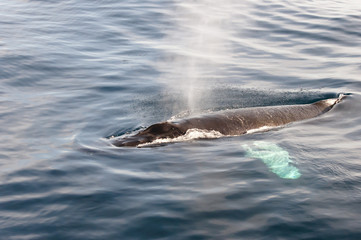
{"x": 231, "y": 122}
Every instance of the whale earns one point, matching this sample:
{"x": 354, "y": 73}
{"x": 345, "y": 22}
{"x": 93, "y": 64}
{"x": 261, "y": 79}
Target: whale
{"x": 230, "y": 122}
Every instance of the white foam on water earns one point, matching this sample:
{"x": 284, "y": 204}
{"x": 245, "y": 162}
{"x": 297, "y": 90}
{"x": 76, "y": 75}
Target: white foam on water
{"x": 191, "y": 134}
{"x": 261, "y": 129}
{"x": 196, "y": 133}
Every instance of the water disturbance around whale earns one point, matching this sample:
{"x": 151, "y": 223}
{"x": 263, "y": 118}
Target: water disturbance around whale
{"x": 228, "y": 122}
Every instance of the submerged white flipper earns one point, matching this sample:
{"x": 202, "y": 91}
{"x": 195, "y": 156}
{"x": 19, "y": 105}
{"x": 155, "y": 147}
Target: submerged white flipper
{"x": 276, "y": 158}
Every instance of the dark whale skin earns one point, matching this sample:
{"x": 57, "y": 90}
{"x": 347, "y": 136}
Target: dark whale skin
{"x": 231, "y": 122}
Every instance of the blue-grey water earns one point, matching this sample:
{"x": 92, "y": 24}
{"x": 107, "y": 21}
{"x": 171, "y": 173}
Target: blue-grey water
{"x": 75, "y": 73}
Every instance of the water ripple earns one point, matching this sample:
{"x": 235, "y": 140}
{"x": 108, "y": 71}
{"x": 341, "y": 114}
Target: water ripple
{"x": 74, "y": 73}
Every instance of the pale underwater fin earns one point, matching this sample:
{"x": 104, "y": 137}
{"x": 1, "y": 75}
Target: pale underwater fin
{"x": 276, "y": 158}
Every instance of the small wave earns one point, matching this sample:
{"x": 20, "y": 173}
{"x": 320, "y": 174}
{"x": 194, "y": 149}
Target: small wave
{"x": 191, "y": 134}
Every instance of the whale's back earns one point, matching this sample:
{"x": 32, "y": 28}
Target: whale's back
{"x": 232, "y": 122}
{"x": 239, "y": 121}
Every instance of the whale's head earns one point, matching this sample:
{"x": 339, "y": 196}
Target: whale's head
{"x": 156, "y": 131}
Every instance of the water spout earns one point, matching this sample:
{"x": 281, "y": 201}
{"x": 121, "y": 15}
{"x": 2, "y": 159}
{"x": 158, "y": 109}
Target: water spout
{"x": 197, "y": 47}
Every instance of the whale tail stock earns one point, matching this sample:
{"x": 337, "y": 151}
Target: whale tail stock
{"x": 337, "y": 100}
{"x": 327, "y": 104}
{"x": 340, "y": 97}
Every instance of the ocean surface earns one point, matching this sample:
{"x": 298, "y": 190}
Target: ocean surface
{"x": 76, "y": 73}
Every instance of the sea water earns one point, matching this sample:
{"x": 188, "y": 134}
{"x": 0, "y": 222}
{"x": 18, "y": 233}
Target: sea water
{"x": 74, "y": 73}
